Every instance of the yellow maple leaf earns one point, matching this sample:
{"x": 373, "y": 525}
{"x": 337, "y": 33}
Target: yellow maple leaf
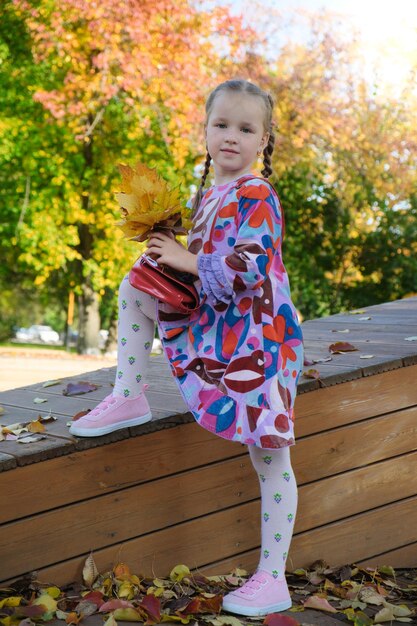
{"x": 147, "y": 201}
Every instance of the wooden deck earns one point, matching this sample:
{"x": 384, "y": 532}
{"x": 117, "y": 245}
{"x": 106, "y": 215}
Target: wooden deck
{"x": 170, "y": 492}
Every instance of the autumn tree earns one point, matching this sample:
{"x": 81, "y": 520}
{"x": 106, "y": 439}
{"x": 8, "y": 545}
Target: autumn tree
{"x": 346, "y": 170}
{"x": 113, "y": 81}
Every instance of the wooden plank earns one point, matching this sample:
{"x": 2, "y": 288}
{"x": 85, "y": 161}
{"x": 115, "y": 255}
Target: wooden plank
{"x": 334, "y": 375}
{"x": 340, "y": 496}
{"x": 355, "y": 445}
{"x": 356, "y": 491}
{"x": 7, "y": 462}
{"x": 400, "y": 558}
{"x": 70, "y": 405}
{"x": 356, "y": 400}
{"x": 220, "y": 535}
{"x": 97, "y": 471}
{"x": 358, "y": 538}
{"x": 48, "y": 448}
{"x": 120, "y": 516}
{"x": 362, "y": 367}
{"x": 197, "y": 542}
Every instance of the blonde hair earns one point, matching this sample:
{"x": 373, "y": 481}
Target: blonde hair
{"x": 241, "y": 86}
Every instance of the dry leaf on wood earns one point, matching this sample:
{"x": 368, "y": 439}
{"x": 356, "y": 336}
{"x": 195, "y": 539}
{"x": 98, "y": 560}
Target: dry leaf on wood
{"x": 36, "y": 427}
{"x": 78, "y": 388}
{"x": 90, "y": 571}
{"x": 341, "y": 346}
{"x": 317, "y": 602}
{"x": 311, "y": 373}
{"x": 275, "y": 619}
{"x": 31, "y": 439}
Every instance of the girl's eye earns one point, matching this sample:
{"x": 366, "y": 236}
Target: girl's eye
{"x": 246, "y": 130}
{"x": 221, "y": 125}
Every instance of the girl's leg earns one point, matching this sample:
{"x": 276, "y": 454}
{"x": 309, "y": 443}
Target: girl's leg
{"x": 127, "y": 404}
{"x": 136, "y": 330}
{"x": 266, "y": 591}
{"x": 279, "y": 497}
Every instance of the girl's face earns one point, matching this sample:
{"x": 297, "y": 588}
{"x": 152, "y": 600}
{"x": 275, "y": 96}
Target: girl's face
{"x": 235, "y": 133}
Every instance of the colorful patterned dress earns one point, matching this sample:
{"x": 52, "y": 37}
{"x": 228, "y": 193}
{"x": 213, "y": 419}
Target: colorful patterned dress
{"x": 238, "y": 358}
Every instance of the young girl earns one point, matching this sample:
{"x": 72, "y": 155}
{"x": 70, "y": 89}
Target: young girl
{"x": 238, "y": 358}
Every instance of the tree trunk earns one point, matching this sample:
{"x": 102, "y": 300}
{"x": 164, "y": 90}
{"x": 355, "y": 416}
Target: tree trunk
{"x": 89, "y": 321}
{"x": 111, "y": 343}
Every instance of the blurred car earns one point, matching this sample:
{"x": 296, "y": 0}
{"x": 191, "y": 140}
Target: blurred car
{"x": 38, "y": 333}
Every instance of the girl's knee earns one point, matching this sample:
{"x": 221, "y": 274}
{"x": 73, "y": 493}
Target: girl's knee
{"x": 125, "y": 289}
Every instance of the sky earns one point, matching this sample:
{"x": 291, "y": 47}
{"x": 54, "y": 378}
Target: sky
{"x": 387, "y": 29}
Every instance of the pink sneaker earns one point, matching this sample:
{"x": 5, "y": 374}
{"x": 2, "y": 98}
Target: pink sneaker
{"x": 262, "y": 594}
{"x": 113, "y": 413}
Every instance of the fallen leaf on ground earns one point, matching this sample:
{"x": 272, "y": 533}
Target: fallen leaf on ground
{"x": 36, "y": 427}
{"x": 152, "y": 606}
{"x": 317, "y": 602}
{"x": 323, "y": 360}
{"x": 78, "y": 415}
{"x": 90, "y": 571}
{"x": 359, "y": 618}
{"x": 47, "y": 418}
{"x": 179, "y": 572}
{"x": 78, "y": 388}
{"x": 110, "y": 621}
{"x": 340, "y": 347}
{"x": 30, "y": 439}
{"x": 275, "y": 619}
{"x": 225, "y": 620}
{"x": 86, "y": 608}
{"x": 410, "y": 338}
{"x": 15, "y": 429}
{"x": 391, "y": 613}
{"x": 345, "y": 330}
{"x": 11, "y": 601}
{"x": 311, "y": 373}
{"x": 51, "y": 383}
{"x": 116, "y": 603}
{"x": 366, "y": 356}
{"x": 128, "y": 615}
{"x": 40, "y": 400}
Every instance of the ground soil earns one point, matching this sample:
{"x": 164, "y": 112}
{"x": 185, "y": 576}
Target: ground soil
{"x": 26, "y": 366}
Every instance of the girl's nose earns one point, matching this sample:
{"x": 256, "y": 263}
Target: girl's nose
{"x": 231, "y": 138}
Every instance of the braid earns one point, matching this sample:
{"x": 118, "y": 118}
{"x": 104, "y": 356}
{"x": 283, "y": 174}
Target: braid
{"x": 199, "y": 194}
{"x": 268, "y": 150}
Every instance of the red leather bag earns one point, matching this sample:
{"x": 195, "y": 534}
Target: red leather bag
{"x": 165, "y": 284}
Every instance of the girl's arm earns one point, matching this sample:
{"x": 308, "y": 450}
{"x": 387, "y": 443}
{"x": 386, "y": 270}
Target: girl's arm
{"x": 258, "y": 241}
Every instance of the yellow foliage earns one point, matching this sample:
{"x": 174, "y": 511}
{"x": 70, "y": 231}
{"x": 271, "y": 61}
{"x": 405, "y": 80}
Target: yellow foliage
{"x": 12, "y": 601}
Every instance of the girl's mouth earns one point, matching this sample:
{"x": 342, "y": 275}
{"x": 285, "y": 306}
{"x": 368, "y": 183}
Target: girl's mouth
{"x": 230, "y": 151}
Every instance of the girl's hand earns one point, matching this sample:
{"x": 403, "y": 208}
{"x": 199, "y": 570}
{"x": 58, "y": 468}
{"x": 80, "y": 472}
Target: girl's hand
{"x": 167, "y": 251}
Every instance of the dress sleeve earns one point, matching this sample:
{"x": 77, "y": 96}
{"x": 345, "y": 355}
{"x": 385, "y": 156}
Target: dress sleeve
{"x": 258, "y": 240}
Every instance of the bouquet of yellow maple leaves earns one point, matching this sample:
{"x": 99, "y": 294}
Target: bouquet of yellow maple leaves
{"x": 148, "y": 204}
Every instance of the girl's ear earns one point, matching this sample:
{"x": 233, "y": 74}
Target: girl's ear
{"x": 265, "y": 139}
